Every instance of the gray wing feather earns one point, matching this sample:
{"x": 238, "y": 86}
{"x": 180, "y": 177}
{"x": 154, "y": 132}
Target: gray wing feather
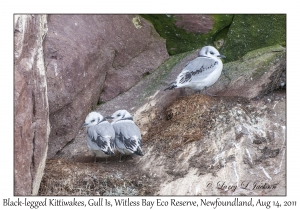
{"x": 128, "y": 129}
{"x": 198, "y": 69}
{"x": 103, "y": 135}
{"x": 129, "y": 134}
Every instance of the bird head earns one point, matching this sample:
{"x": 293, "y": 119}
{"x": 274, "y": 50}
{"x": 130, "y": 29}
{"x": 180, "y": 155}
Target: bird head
{"x": 92, "y": 118}
{"x": 211, "y": 52}
{"x": 119, "y": 115}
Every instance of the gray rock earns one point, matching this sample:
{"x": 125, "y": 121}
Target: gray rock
{"x": 258, "y": 72}
{"x": 224, "y": 146}
{"x": 31, "y": 110}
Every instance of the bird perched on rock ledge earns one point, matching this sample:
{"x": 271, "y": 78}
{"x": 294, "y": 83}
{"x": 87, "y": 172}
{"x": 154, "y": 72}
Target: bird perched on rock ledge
{"x": 100, "y": 135}
{"x": 202, "y": 72}
{"x": 128, "y": 135}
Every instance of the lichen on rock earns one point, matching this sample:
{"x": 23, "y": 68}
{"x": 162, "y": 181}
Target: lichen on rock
{"x": 253, "y": 31}
{"x": 256, "y": 73}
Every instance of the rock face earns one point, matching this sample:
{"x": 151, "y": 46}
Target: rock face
{"x": 91, "y": 59}
{"x": 257, "y": 73}
{"x": 223, "y": 146}
{"x": 233, "y": 144}
{"x": 194, "y": 23}
{"x": 31, "y": 129}
{"x": 234, "y": 35}
{"x": 249, "y": 32}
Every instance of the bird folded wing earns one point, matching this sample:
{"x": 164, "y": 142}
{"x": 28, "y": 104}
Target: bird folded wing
{"x": 197, "y": 69}
{"x": 128, "y": 133}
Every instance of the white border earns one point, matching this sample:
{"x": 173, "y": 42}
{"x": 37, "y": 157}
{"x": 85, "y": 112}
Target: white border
{"x": 8, "y": 8}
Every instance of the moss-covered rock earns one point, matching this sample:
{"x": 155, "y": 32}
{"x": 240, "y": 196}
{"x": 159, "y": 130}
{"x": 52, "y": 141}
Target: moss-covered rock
{"x": 257, "y": 73}
{"x": 250, "y": 32}
{"x": 182, "y": 38}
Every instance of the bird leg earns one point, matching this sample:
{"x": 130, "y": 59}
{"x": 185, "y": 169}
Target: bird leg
{"x": 182, "y": 91}
{"x": 120, "y": 158}
{"x": 131, "y": 156}
{"x": 95, "y": 158}
{"x": 207, "y": 93}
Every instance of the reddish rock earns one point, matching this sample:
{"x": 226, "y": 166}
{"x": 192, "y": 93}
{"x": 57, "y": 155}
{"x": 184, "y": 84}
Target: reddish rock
{"x": 89, "y": 55}
{"x": 194, "y": 23}
{"x": 138, "y": 50}
{"x": 31, "y": 112}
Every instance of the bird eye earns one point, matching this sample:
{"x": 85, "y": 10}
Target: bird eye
{"x": 93, "y": 121}
{"x": 118, "y": 115}
{"x": 212, "y": 53}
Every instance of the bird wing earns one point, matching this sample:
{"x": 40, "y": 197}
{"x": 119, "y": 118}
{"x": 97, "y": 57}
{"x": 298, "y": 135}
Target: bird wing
{"x": 129, "y": 134}
{"x": 197, "y": 69}
{"x": 103, "y": 135}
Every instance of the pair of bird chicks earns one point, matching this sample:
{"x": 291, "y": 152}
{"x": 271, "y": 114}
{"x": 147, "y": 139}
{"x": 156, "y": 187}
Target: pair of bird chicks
{"x": 104, "y": 137}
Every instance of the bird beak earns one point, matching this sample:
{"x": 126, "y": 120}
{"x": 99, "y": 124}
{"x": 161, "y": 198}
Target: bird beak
{"x": 109, "y": 117}
{"x": 221, "y": 56}
{"x": 84, "y": 124}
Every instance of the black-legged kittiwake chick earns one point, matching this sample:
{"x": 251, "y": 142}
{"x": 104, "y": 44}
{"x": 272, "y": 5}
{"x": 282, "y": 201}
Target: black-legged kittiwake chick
{"x": 128, "y": 135}
{"x": 100, "y": 135}
{"x": 202, "y": 72}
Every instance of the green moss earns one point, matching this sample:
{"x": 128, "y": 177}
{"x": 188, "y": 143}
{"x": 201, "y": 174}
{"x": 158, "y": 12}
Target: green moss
{"x": 264, "y": 58}
{"x": 221, "y": 37}
{"x": 250, "y": 32}
{"x": 221, "y": 22}
{"x": 234, "y": 35}
{"x": 261, "y": 51}
{"x": 100, "y": 102}
{"x": 255, "y": 63}
{"x": 265, "y": 61}
{"x": 178, "y": 40}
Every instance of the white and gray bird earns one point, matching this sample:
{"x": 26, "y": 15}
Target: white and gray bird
{"x": 128, "y": 135}
{"x": 202, "y": 72}
{"x": 100, "y": 135}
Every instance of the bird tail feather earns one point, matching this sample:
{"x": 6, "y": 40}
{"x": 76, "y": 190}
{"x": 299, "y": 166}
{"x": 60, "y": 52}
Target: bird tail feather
{"x": 139, "y": 152}
{"x": 171, "y": 87}
{"x": 109, "y": 152}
